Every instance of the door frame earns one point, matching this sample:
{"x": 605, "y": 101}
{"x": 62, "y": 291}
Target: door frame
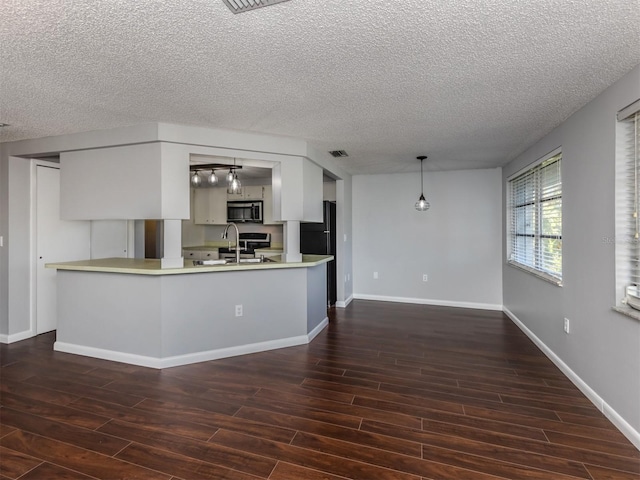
{"x": 33, "y": 240}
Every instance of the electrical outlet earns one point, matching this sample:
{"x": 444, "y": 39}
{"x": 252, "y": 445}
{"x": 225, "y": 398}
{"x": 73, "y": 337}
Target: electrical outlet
{"x": 566, "y": 325}
{"x": 348, "y": 277}
{"x": 425, "y": 277}
{"x": 345, "y": 237}
{"x": 238, "y": 310}
{"x": 375, "y": 275}
{"x": 1, "y": 241}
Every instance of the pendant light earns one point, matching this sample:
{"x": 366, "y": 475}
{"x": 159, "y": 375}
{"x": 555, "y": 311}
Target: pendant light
{"x": 212, "y": 179}
{"x": 196, "y": 179}
{"x": 233, "y": 183}
{"x": 422, "y": 205}
{"x": 204, "y": 174}
{"x": 231, "y": 174}
{"x": 234, "y": 186}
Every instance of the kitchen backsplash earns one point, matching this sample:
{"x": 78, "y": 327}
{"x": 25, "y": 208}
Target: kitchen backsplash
{"x": 212, "y": 233}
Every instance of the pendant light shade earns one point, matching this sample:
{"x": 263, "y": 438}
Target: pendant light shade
{"x": 233, "y": 183}
{"x": 196, "y": 179}
{"x": 422, "y": 205}
{"x": 212, "y": 179}
{"x": 234, "y": 186}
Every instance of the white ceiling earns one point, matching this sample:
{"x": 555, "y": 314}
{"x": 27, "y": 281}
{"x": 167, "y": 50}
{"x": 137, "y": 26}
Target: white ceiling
{"x": 470, "y": 83}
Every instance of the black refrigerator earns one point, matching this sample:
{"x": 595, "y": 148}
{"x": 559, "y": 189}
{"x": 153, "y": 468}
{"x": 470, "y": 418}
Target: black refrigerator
{"x": 320, "y": 239}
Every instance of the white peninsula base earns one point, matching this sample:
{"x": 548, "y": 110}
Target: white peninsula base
{"x": 163, "y": 320}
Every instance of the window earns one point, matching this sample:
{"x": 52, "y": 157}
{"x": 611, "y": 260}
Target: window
{"x": 627, "y": 206}
{"x": 535, "y": 219}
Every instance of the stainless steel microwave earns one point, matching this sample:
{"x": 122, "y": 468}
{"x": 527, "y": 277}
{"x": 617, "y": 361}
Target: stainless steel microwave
{"x": 244, "y": 212}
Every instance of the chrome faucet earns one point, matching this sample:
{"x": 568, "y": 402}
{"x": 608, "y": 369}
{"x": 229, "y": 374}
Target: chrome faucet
{"x": 224, "y": 237}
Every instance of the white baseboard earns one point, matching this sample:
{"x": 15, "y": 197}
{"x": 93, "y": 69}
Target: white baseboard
{"x": 619, "y": 422}
{"x": 427, "y": 301}
{"x": 16, "y": 337}
{"x": 314, "y": 333}
{"x": 345, "y": 304}
{"x": 186, "y": 359}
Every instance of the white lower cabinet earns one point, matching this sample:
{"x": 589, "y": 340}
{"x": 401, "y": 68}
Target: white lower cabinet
{"x": 191, "y": 254}
{"x": 209, "y": 254}
{"x": 210, "y": 206}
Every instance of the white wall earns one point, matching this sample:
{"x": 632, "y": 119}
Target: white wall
{"x": 344, "y": 241}
{"x": 111, "y": 183}
{"x": 603, "y": 348}
{"x": 111, "y": 238}
{"x": 175, "y": 189}
{"x": 19, "y": 241}
{"x": 457, "y": 242}
{"x": 297, "y": 190}
{"x": 146, "y": 181}
{"x": 4, "y": 232}
{"x": 312, "y": 192}
{"x": 329, "y": 190}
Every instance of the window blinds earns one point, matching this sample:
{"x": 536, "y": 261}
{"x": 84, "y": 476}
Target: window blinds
{"x": 628, "y": 199}
{"x": 535, "y": 220}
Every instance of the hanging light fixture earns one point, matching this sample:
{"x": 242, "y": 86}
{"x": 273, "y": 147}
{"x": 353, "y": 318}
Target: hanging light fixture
{"x": 422, "y": 204}
{"x": 213, "y": 178}
{"x": 234, "y": 186}
{"x": 204, "y": 174}
{"x": 196, "y": 179}
{"x": 233, "y": 183}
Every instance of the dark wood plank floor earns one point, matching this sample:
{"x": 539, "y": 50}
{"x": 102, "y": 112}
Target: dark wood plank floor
{"x": 387, "y": 391}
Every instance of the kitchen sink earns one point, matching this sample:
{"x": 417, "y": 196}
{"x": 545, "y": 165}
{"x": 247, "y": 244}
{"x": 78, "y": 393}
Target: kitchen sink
{"x": 256, "y": 260}
{"x": 221, "y": 261}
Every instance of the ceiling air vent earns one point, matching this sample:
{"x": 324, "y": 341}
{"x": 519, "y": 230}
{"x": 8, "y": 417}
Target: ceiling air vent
{"x": 339, "y": 153}
{"x": 239, "y": 6}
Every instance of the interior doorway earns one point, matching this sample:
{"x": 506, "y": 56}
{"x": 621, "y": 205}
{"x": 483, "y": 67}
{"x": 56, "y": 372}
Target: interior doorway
{"x": 56, "y": 240}
{"x": 153, "y": 239}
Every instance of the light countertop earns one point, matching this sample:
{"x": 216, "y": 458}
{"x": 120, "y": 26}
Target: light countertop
{"x": 139, "y": 266}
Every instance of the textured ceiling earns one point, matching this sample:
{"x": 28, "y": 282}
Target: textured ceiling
{"x": 470, "y": 83}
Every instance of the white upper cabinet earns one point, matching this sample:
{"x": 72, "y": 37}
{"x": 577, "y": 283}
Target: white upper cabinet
{"x": 210, "y": 206}
{"x": 251, "y": 192}
{"x": 234, "y": 197}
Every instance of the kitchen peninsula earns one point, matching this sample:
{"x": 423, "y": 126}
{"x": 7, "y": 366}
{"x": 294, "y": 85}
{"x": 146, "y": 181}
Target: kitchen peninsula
{"x": 134, "y": 311}
{"x": 165, "y": 312}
